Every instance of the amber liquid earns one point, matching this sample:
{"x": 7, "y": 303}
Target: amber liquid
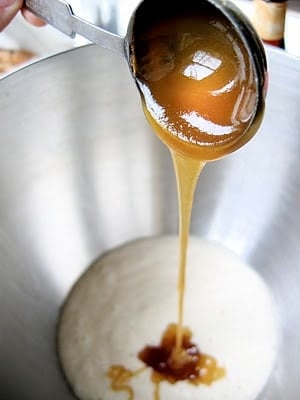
{"x": 199, "y": 94}
{"x": 187, "y": 173}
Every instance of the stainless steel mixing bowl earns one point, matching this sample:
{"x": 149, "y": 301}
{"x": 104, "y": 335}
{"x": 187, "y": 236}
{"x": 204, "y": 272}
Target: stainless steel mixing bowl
{"x": 81, "y": 172}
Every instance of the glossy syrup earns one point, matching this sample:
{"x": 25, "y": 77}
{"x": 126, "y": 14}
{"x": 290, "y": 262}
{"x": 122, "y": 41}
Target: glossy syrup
{"x": 199, "y": 94}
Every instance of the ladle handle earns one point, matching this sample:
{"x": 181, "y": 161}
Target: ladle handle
{"x": 59, "y": 14}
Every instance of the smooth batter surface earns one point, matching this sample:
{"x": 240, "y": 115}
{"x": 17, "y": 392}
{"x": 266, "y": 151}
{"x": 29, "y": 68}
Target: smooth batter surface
{"x": 127, "y": 299}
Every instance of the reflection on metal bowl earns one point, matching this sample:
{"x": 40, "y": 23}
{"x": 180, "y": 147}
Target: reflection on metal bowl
{"x": 82, "y": 173}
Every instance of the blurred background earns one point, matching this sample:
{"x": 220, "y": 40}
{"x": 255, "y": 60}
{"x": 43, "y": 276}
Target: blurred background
{"x": 112, "y": 15}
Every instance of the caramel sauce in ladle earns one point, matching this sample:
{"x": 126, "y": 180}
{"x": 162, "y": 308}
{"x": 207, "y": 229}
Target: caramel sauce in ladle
{"x": 199, "y": 94}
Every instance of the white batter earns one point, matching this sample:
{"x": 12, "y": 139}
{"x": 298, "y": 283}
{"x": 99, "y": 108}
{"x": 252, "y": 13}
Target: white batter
{"x": 127, "y": 299}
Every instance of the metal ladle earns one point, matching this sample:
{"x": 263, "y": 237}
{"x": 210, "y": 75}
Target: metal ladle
{"x": 59, "y": 14}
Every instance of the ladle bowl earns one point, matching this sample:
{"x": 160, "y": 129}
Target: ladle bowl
{"x": 59, "y": 14}
{"x": 81, "y": 173}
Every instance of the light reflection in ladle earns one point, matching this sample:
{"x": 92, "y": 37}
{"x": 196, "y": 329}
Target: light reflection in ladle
{"x": 196, "y": 120}
{"x": 203, "y": 65}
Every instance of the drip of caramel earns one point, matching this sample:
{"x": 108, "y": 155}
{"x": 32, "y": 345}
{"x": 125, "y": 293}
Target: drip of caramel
{"x": 120, "y": 377}
{"x": 169, "y": 363}
{"x": 186, "y": 363}
{"x": 187, "y": 173}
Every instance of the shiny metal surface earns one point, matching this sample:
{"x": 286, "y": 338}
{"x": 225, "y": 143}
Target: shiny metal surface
{"x": 80, "y": 172}
{"x": 59, "y": 14}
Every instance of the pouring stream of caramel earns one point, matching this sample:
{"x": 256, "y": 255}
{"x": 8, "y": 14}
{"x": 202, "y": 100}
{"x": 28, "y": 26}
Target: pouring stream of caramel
{"x": 199, "y": 94}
